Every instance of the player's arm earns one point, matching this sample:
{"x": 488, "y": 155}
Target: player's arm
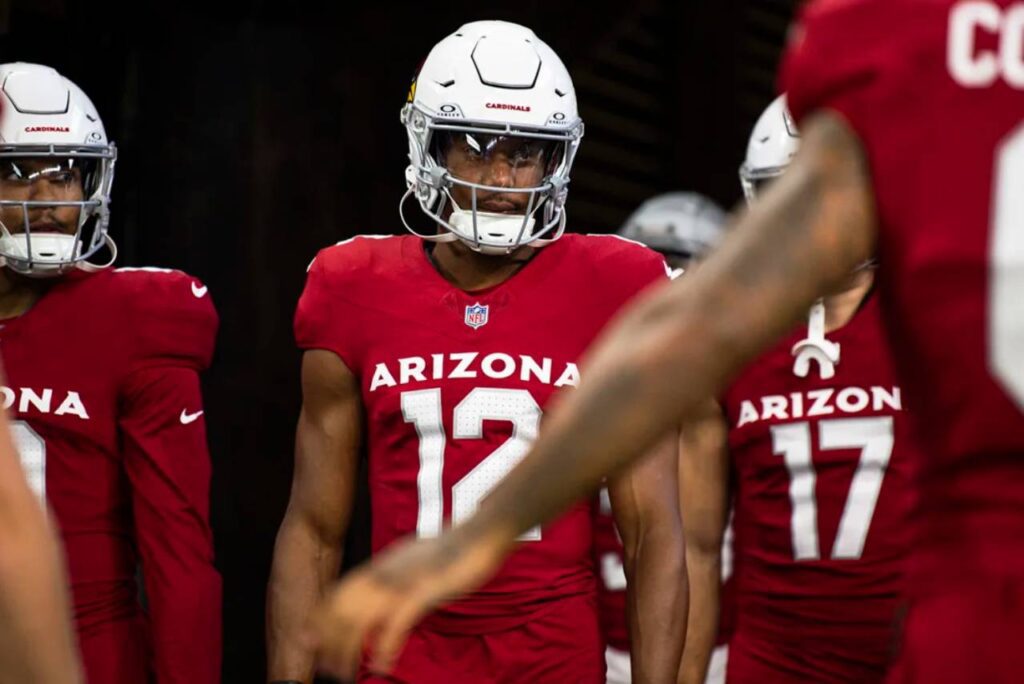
{"x": 308, "y": 550}
{"x": 672, "y": 350}
{"x": 37, "y": 643}
{"x": 645, "y": 502}
{"x": 681, "y": 344}
{"x": 168, "y": 467}
{"x": 704, "y": 499}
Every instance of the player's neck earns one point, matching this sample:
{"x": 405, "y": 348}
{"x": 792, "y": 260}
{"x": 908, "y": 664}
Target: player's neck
{"x": 471, "y": 271}
{"x": 17, "y": 294}
{"x": 841, "y": 306}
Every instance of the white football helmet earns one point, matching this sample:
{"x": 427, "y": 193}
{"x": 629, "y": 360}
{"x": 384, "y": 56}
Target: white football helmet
{"x": 681, "y": 225}
{"x": 491, "y": 80}
{"x": 773, "y": 142}
{"x": 46, "y": 116}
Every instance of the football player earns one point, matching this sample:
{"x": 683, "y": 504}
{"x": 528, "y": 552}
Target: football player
{"x": 103, "y": 390}
{"x": 440, "y": 352}
{"x": 682, "y": 227}
{"x": 817, "y": 440}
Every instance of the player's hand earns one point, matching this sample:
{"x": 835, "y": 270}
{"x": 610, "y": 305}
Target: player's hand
{"x": 375, "y": 606}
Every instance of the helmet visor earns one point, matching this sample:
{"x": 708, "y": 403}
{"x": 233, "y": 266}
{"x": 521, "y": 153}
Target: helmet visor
{"x": 46, "y": 194}
{"x": 519, "y": 161}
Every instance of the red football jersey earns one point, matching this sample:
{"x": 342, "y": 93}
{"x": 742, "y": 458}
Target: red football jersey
{"x": 454, "y": 385}
{"x": 822, "y": 499}
{"x": 611, "y": 588}
{"x": 933, "y": 88}
{"x": 103, "y": 389}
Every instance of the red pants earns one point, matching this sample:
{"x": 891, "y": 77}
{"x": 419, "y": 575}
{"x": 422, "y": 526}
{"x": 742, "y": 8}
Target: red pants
{"x": 560, "y": 644}
{"x": 971, "y": 634}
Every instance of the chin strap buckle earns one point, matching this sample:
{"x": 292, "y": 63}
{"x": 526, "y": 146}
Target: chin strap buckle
{"x": 816, "y": 347}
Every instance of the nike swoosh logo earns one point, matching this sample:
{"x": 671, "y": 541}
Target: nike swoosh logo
{"x": 199, "y": 292}
{"x": 187, "y": 417}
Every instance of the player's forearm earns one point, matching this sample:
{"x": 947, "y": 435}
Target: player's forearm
{"x": 681, "y": 344}
{"x": 304, "y": 565}
{"x": 704, "y": 572}
{"x": 633, "y": 392}
{"x": 657, "y": 599}
{"x": 37, "y": 642}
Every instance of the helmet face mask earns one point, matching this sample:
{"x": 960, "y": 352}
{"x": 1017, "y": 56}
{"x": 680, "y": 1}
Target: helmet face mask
{"x": 755, "y": 182}
{"x": 56, "y": 174}
{"x": 501, "y": 95}
{"x": 45, "y": 236}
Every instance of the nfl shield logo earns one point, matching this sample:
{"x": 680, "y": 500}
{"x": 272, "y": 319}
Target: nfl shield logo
{"x": 476, "y": 315}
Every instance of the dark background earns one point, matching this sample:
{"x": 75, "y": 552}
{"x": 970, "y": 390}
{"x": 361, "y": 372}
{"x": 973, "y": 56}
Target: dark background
{"x": 251, "y": 134}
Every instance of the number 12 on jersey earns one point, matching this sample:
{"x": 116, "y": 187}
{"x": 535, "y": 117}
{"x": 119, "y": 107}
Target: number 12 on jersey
{"x": 874, "y": 437}
{"x": 422, "y": 408}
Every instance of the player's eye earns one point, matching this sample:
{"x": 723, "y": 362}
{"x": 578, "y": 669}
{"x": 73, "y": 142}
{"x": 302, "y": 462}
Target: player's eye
{"x": 65, "y": 177}
{"x": 525, "y": 151}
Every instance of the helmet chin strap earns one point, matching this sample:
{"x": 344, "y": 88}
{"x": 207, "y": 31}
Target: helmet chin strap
{"x": 93, "y": 268}
{"x": 462, "y": 220}
{"x": 513, "y": 227}
{"x": 52, "y": 270}
{"x": 444, "y": 236}
{"x": 516, "y": 229}
{"x": 816, "y": 347}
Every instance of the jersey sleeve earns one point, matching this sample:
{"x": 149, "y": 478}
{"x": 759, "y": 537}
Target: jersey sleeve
{"x": 325, "y": 317}
{"x": 170, "y": 328}
{"x": 168, "y": 467}
{"x": 169, "y": 320}
{"x": 840, "y": 53}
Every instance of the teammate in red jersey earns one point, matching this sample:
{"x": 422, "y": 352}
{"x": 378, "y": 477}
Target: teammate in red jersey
{"x": 36, "y": 637}
{"x": 816, "y": 438}
{"x": 682, "y": 227}
{"x": 911, "y": 147}
{"x": 103, "y": 388}
{"x": 441, "y": 351}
